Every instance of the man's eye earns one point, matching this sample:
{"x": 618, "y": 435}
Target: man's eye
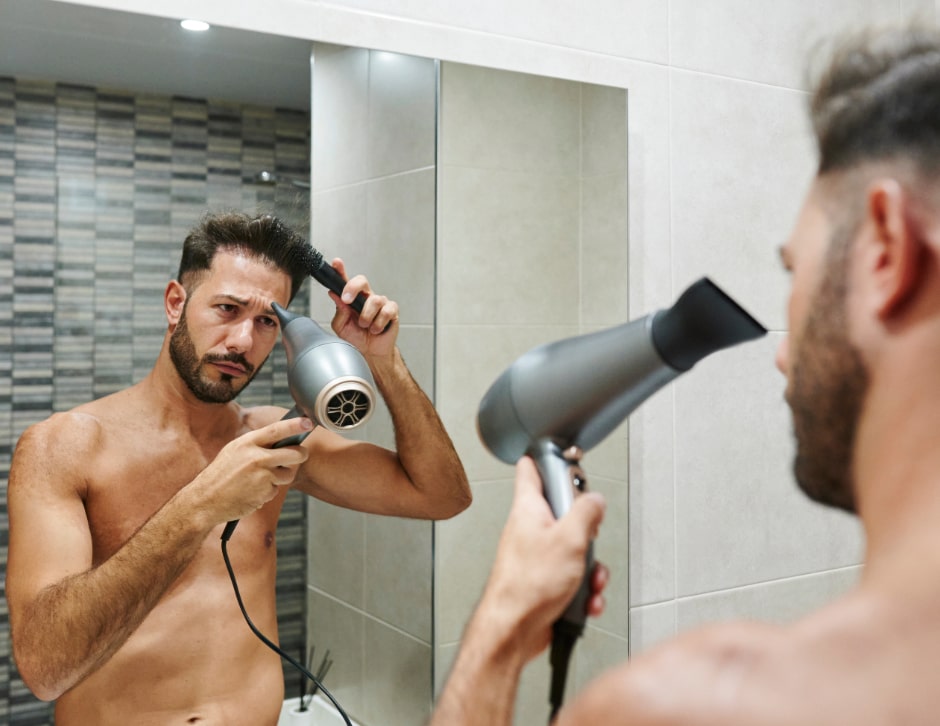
{"x": 226, "y": 307}
{"x": 268, "y": 322}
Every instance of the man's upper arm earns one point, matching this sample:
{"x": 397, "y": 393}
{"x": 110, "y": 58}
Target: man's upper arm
{"x": 49, "y": 533}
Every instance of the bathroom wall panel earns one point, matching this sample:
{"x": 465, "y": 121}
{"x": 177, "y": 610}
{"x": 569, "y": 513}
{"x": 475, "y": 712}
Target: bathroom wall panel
{"x": 626, "y": 28}
{"x": 335, "y": 629}
{"x": 398, "y": 574}
{"x": 735, "y": 146}
{"x": 508, "y": 241}
{"x": 739, "y": 516}
{"x": 396, "y": 674}
{"x": 651, "y": 625}
{"x": 461, "y": 548}
{"x": 337, "y": 555}
{"x": 402, "y": 104}
{"x": 779, "y": 602}
{"x": 510, "y": 121}
{"x": 765, "y": 42}
{"x": 341, "y": 116}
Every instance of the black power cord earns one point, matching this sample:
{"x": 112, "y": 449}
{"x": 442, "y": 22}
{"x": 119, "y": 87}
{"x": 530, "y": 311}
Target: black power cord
{"x": 265, "y": 640}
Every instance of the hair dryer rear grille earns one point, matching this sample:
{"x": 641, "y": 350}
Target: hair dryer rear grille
{"x": 347, "y": 408}
{"x": 344, "y": 404}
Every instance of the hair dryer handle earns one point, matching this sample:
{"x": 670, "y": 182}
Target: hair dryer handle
{"x": 562, "y": 480}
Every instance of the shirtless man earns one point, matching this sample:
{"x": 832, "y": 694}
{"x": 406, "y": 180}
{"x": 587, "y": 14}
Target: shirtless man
{"x": 120, "y": 605}
{"x": 863, "y": 381}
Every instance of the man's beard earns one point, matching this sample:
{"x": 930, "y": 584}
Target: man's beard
{"x": 827, "y": 388}
{"x": 189, "y": 367}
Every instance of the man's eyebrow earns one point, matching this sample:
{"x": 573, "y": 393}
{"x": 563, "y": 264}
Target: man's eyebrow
{"x": 233, "y": 298}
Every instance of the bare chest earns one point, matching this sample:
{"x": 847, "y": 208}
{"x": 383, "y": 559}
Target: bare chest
{"x": 134, "y": 480}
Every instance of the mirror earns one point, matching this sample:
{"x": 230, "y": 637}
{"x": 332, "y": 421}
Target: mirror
{"x": 490, "y": 204}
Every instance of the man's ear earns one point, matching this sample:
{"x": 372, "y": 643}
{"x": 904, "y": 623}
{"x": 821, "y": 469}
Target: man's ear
{"x": 174, "y": 299}
{"x": 896, "y": 246}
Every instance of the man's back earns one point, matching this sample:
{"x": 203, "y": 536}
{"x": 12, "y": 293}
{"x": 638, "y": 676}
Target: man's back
{"x": 866, "y": 660}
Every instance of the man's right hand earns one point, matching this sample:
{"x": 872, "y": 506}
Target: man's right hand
{"x": 248, "y": 473}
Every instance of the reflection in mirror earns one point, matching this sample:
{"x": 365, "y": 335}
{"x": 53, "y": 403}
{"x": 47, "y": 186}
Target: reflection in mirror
{"x": 111, "y": 148}
{"x": 106, "y": 161}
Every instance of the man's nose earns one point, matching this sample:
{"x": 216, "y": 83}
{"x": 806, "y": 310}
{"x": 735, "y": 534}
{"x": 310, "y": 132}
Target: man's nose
{"x": 782, "y": 359}
{"x": 239, "y": 338}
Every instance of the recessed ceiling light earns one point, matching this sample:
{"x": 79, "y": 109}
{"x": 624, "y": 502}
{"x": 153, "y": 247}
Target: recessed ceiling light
{"x": 197, "y": 26}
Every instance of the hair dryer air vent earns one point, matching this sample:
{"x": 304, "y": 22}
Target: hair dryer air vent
{"x": 346, "y": 403}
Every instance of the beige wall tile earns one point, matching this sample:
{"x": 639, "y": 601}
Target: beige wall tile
{"x": 335, "y": 627}
{"x": 396, "y": 677}
{"x": 742, "y": 159}
{"x": 651, "y": 625}
{"x": 507, "y": 246}
{"x": 762, "y": 41}
{"x": 464, "y": 549}
{"x": 402, "y": 104}
{"x": 398, "y": 573}
{"x": 739, "y": 517}
{"x": 335, "y": 562}
{"x": 780, "y": 601}
{"x": 512, "y": 121}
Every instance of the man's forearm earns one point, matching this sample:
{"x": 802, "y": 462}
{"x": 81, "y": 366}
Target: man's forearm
{"x": 72, "y": 627}
{"x": 481, "y": 688}
{"x": 424, "y": 448}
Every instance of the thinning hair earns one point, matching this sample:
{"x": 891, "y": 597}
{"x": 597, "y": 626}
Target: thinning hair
{"x": 264, "y": 237}
{"x": 878, "y": 100}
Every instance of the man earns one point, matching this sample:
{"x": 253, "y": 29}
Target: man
{"x": 120, "y": 605}
{"x": 862, "y": 365}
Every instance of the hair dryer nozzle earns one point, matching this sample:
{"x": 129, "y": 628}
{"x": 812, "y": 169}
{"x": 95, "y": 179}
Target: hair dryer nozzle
{"x": 703, "y": 320}
{"x": 328, "y": 378}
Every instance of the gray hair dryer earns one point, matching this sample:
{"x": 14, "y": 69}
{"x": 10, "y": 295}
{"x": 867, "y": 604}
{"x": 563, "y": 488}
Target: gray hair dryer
{"x": 329, "y": 380}
{"x": 559, "y": 400}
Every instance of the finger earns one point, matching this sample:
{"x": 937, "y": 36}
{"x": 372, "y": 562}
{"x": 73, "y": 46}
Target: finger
{"x": 272, "y": 433}
{"x": 386, "y": 313}
{"x": 340, "y": 266}
{"x": 354, "y": 287}
{"x": 596, "y": 605}
{"x": 600, "y": 576}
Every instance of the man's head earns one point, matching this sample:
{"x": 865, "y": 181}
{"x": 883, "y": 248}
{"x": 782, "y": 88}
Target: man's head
{"x": 221, "y": 325}
{"x": 876, "y": 116}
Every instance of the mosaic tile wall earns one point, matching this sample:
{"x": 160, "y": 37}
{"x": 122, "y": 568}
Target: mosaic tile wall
{"x": 97, "y": 191}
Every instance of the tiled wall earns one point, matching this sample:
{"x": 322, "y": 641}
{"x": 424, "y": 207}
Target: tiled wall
{"x": 97, "y": 190}
{"x": 532, "y": 247}
{"x": 373, "y": 157}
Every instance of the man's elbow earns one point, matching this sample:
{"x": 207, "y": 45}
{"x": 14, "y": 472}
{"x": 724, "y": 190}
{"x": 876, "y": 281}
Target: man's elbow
{"x": 36, "y": 669}
{"x": 453, "y": 504}
{"x": 39, "y": 683}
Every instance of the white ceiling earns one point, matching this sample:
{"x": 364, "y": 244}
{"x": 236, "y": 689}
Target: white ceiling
{"x": 91, "y": 46}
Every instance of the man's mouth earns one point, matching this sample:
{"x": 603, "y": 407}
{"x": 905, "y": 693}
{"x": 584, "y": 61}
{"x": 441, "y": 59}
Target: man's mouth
{"x": 229, "y": 368}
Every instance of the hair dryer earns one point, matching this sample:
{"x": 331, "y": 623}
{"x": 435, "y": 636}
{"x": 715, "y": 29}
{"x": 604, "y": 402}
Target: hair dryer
{"x": 561, "y": 399}
{"x": 329, "y": 380}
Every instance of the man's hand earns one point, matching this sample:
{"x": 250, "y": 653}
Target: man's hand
{"x": 540, "y": 561}
{"x": 247, "y": 473}
{"x": 375, "y": 329}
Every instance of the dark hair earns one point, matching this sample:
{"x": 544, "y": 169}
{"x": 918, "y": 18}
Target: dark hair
{"x": 879, "y": 99}
{"x": 264, "y": 237}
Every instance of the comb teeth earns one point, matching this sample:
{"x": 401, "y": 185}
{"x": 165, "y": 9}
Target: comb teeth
{"x": 313, "y": 258}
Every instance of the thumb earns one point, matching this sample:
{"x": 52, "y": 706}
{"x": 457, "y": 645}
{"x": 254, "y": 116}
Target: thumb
{"x": 586, "y": 514}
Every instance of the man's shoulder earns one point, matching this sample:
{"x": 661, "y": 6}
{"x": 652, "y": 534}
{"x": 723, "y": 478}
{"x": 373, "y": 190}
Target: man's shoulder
{"x": 703, "y": 677}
